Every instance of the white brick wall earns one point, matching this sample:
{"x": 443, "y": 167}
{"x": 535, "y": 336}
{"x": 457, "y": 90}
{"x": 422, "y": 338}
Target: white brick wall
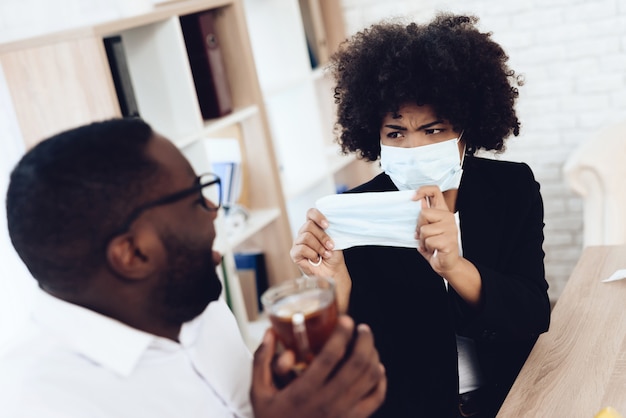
{"x": 572, "y": 54}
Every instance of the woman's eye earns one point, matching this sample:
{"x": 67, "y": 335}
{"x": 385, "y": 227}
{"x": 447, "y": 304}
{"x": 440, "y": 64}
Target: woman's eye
{"x": 394, "y": 135}
{"x": 433, "y": 131}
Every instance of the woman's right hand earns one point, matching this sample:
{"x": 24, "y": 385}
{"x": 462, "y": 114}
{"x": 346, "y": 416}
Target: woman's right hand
{"x": 312, "y": 243}
{"x": 313, "y": 252}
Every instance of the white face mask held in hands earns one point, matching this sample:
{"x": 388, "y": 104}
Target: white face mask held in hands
{"x": 375, "y": 218}
{"x": 435, "y": 164}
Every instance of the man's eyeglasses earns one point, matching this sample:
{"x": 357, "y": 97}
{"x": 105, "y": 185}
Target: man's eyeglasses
{"x": 202, "y": 186}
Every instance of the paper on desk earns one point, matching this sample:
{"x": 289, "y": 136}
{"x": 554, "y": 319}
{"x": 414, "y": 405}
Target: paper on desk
{"x": 618, "y": 275}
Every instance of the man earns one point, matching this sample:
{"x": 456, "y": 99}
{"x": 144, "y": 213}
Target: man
{"x": 113, "y": 223}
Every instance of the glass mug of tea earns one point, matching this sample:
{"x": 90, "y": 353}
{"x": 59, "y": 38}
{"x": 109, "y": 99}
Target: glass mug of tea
{"x": 303, "y": 313}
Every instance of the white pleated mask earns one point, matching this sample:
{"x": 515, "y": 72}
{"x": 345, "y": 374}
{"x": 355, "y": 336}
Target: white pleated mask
{"x": 434, "y": 164}
{"x": 375, "y": 218}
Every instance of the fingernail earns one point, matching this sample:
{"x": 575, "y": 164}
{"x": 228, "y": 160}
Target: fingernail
{"x": 324, "y": 224}
{"x": 330, "y": 245}
{"x": 364, "y": 328}
{"x": 346, "y": 320}
{"x": 267, "y": 337}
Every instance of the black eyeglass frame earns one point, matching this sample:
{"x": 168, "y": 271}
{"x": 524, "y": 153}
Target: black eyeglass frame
{"x": 174, "y": 197}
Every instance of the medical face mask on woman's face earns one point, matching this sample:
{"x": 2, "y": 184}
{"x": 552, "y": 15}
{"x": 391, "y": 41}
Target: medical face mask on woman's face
{"x": 435, "y": 164}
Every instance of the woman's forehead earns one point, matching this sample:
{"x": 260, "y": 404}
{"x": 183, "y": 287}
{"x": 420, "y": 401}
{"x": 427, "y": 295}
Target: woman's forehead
{"x": 413, "y": 113}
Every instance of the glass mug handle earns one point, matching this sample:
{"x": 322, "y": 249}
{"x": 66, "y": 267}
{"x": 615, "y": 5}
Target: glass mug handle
{"x": 299, "y": 332}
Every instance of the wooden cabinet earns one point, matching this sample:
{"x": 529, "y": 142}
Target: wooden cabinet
{"x": 62, "y": 80}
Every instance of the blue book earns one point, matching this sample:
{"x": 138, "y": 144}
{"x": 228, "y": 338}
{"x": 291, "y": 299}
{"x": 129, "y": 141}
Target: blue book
{"x": 254, "y": 261}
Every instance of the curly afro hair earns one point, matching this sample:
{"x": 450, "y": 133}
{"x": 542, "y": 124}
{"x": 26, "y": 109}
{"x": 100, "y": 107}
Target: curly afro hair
{"x": 448, "y": 64}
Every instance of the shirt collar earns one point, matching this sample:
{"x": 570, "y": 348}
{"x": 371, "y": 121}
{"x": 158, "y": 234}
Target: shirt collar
{"x": 106, "y": 341}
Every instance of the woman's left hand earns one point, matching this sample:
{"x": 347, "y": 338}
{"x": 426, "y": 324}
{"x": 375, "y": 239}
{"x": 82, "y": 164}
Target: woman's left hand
{"x": 437, "y": 231}
{"x": 438, "y": 236}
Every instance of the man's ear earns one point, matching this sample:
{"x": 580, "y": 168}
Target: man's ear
{"x": 132, "y": 256}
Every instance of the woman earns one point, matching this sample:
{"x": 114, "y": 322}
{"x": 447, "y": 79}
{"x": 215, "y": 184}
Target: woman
{"x": 455, "y": 320}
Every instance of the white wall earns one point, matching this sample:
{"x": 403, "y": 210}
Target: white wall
{"x": 16, "y": 283}
{"x": 573, "y": 56}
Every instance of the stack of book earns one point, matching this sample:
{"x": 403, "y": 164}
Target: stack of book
{"x": 253, "y": 280}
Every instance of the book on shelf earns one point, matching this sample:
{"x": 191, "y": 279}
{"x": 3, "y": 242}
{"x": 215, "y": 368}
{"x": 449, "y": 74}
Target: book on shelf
{"x": 312, "y": 57}
{"x": 253, "y": 280}
{"x": 225, "y": 157}
{"x": 226, "y": 291}
{"x": 334, "y": 25}
{"x": 207, "y": 64}
{"x": 314, "y": 31}
{"x": 120, "y": 73}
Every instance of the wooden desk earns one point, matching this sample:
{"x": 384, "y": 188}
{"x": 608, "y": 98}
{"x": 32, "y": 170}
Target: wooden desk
{"x": 579, "y": 366}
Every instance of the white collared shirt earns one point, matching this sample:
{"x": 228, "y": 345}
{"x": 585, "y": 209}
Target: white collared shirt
{"x": 470, "y": 375}
{"x": 77, "y": 363}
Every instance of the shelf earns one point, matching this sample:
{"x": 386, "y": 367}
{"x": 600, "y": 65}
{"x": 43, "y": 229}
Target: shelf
{"x": 111, "y": 26}
{"x": 157, "y": 14}
{"x": 257, "y": 220}
{"x": 318, "y": 73}
{"x": 238, "y": 116}
{"x": 214, "y": 125}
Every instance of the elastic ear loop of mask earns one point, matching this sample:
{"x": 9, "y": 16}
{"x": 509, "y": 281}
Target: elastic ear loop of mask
{"x": 464, "y": 147}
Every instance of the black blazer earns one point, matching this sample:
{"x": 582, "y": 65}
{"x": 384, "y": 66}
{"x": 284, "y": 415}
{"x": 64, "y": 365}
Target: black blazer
{"x": 414, "y": 318}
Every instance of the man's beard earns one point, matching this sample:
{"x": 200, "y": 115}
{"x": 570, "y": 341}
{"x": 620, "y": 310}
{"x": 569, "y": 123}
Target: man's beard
{"x": 190, "y": 282}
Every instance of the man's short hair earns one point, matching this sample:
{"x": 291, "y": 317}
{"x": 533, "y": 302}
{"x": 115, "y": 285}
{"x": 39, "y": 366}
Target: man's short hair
{"x": 70, "y": 192}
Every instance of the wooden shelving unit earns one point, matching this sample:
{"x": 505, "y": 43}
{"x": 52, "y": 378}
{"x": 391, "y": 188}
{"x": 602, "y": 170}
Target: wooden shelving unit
{"x": 298, "y": 97}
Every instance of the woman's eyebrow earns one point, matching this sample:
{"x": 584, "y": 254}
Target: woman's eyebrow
{"x": 428, "y": 125}
{"x": 422, "y": 127}
{"x": 396, "y": 127}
